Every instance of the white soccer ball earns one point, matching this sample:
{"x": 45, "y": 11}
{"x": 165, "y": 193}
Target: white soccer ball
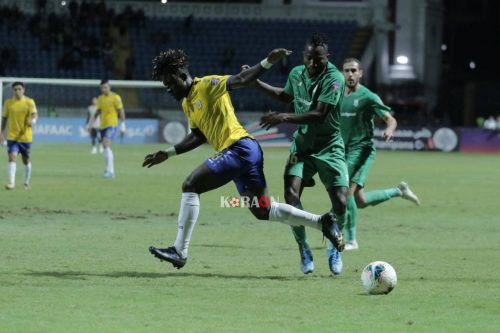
{"x": 379, "y": 277}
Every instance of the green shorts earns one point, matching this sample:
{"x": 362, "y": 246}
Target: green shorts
{"x": 359, "y": 161}
{"x": 329, "y": 163}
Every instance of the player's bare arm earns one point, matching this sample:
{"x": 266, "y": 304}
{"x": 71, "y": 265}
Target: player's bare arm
{"x": 248, "y": 75}
{"x": 391, "y": 126}
{"x": 190, "y": 142}
{"x": 92, "y": 119}
{"x": 276, "y": 93}
{"x": 315, "y": 116}
{"x": 2, "y": 130}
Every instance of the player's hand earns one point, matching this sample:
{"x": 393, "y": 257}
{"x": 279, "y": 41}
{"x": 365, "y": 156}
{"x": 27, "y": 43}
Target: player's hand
{"x": 388, "y": 135}
{"x": 271, "y": 119}
{"x": 155, "y": 158}
{"x": 277, "y": 54}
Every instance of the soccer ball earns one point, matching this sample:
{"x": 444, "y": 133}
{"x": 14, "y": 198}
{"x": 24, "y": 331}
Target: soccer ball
{"x": 379, "y": 277}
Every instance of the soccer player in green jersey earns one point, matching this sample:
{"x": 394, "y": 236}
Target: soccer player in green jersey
{"x": 359, "y": 107}
{"x": 316, "y": 88}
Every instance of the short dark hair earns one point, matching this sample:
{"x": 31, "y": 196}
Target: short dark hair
{"x": 104, "y": 81}
{"x": 169, "y": 61}
{"x": 318, "y": 39}
{"x": 17, "y": 83}
{"x": 356, "y": 60}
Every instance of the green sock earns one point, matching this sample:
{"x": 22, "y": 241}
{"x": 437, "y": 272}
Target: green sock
{"x": 300, "y": 232}
{"x": 352, "y": 210}
{"x": 341, "y": 221}
{"x": 374, "y": 198}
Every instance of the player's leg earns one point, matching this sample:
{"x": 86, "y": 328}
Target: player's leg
{"x": 12, "y": 151}
{"x": 352, "y": 220}
{"x": 213, "y": 173}
{"x": 107, "y": 137}
{"x": 251, "y": 183}
{"x": 332, "y": 171}
{"x": 293, "y": 190}
{"x": 93, "y": 140}
{"x": 25, "y": 154}
{"x": 377, "y": 197}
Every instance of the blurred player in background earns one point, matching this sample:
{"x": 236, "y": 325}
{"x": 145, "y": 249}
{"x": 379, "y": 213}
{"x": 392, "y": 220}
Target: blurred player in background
{"x": 359, "y": 108}
{"x": 207, "y": 105}
{"x": 109, "y": 107}
{"x": 316, "y": 88}
{"x": 19, "y": 115}
{"x": 95, "y": 135}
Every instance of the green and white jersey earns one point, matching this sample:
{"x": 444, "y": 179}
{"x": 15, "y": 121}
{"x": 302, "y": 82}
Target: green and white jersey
{"x": 356, "y": 119}
{"x": 328, "y": 87}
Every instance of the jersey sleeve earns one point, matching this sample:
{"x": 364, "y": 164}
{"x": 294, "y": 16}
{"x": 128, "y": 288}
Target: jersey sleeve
{"x": 118, "y": 102}
{"x": 215, "y": 85}
{"x": 5, "y": 110}
{"x": 378, "y": 106}
{"x": 31, "y": 106}
{"x": 332, "y": 90}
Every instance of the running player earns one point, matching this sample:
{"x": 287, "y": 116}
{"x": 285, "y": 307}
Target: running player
{"x": 19, "y": 115}
{"x": 207, "y": 105}
{"x": 109, "y": 107}
{"x": 316, "y": 88}
{"x": 359, "y": 108}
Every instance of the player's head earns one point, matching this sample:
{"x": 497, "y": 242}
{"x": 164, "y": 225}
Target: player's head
{"x": 316, "y": 54}
{"x": 18, "y": 89}
{"x": 171, "y": 68}
{"x": 351, "y": 68}
{"x": 105, "y": 87}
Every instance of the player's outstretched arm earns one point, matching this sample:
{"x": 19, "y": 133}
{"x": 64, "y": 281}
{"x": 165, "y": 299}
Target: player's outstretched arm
{"x": 318, "y": 115}
{"x": 391, "y": 126}
{"x": 247, "y": 76}
{"x": 190, "y": 142}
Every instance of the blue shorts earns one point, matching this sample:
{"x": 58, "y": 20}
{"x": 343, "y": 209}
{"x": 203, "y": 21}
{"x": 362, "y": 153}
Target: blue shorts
{"x": 242, "y": 162}
{"x": 15, "y": 147}
{"x": 108, "y": 132}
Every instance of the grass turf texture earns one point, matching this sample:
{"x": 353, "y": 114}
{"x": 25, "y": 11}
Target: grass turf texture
{"x": 73, "y": 251}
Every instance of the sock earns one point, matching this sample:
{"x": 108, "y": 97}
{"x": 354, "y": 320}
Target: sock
{"x": 188, "y": 215}
{"x": 290, "y": 215}
{"x": 27, "y": 173}
{"x": 352, "y": 219}
{"x": 300, "y": 232}
{"x": 11, "y": 173}
{"x": 374, "y": 198}
{"x": 108, "y": 159}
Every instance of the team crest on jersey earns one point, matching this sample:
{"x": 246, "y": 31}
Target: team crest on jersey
{"x": 335, "y": 86}
{"x": 198, "y": 104}
{"x": 215, "y": 81}
{"x": 356, "y": 102}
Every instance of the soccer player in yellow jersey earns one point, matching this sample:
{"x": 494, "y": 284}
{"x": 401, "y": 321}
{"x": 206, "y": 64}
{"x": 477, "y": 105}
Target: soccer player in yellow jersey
{"x": 207, "y": 105}
{"x": 19, "y": 115}
{"x": 109, "y": 107}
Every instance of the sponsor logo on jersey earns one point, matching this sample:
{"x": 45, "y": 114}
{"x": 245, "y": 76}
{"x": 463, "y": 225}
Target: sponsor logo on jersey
{"x": 198, "y": 104}
{"x": 215, "y": 81}
{"x": 335, "y": 86}
{"x": 356, "y": 102}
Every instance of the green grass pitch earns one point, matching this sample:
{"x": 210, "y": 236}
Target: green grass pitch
{"x": 73, "y": 251}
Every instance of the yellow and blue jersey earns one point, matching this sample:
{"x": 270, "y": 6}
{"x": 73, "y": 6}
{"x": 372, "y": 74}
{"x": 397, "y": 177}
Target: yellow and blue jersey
{"x": 208, "y": 108}
{"x": 19, "y": 112}
{"x": 109, "y": 106}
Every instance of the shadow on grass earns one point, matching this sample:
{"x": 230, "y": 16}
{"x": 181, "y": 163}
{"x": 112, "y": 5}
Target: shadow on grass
{"x": 78, "y": 275}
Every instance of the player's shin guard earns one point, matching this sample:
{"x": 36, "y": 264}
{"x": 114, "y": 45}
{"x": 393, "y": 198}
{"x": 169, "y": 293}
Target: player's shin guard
{"x": 374, "y": 198}
{"x": 352, "y": 219}
{"x": 188, "y": 215}
{"x": 11, "y": 173}
{"x": 290, "y": 215}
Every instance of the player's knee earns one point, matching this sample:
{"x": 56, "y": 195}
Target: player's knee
{"x": 189, "y": 186}
{"x": 260, "y": 213}
{"x": 360, "y": 201}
